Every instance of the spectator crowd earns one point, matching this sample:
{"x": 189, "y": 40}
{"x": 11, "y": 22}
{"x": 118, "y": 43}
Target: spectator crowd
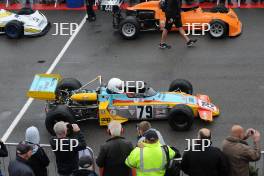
{"x": 149, "y": 157}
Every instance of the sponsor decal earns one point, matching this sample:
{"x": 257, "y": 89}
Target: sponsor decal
{"x": 131, "y": 111}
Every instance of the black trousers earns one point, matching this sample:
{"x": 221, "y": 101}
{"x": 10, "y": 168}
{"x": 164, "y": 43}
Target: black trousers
{"x": 89, "y": 8}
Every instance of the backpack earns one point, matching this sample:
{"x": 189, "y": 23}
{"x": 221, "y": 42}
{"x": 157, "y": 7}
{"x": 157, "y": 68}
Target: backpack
{"x": 173, "y": 166}
{"x": 164, "y": 5}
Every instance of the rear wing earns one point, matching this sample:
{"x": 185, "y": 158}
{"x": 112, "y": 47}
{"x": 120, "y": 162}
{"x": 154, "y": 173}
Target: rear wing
{"x": 43, "y": 86}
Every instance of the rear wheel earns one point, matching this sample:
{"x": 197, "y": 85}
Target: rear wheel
{"x": 129, "y": 28}
{"x": 14, "y": 29}
{"x": 181, "y": 85}
{"x": 218, "y": 29}
{"x": 67, "y": 84}
{"x": 60, "y": 113}
{"x": 181, "y": 117}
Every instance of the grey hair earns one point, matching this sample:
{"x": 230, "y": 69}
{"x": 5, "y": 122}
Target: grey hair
{"x": 60, "y": 129}
{"x": 115, "y": 128}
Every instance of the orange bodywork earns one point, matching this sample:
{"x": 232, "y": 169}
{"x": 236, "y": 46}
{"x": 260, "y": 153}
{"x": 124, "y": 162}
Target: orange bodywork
{"x": 194, "y": 16}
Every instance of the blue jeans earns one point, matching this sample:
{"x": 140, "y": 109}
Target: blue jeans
{"x": 1, "y": 173}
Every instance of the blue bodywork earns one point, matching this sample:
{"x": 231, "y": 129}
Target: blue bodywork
{"x": 162, "y": 97}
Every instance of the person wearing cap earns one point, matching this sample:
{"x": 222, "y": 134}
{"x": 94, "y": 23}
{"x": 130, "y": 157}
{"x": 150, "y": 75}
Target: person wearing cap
{"x": 19, "y": 166}
{"x": 67, "y": 156}
{"x": 149, "y": 160}
{"x": 86, "y": 167}
{"x": 3, "y": 152}
{"x": 204, "y": 159}
{"x": 112, "y": 155}
{"x": 143, "y": 127}
{"x": 39, "y": 161}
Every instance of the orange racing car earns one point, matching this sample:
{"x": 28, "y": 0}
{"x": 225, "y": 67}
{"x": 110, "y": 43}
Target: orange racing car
{"x": 148, "y": 16}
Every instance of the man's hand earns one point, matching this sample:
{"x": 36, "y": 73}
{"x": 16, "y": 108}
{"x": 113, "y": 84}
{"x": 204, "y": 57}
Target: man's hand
{"x": 75, "y": 128}
{"x": 249, "y": 132}
{"x": 256, "y": 136}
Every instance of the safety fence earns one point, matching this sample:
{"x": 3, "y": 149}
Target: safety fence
{"x": 52, "y": 169}
{"x": 57, "y": 2}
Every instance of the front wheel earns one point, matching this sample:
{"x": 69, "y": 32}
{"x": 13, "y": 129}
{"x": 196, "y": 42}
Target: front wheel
{"x": 181, "y": 85}
{"x": 181, "y": 117}
{"x": 129, "y": 28}
{"x": 14, "y": 29}
{"x": 218, "y": 29}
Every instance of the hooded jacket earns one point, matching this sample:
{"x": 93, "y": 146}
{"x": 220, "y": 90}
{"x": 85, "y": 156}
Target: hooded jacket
{"x": 240, "y": 154}
{"x": 39, "y": 160}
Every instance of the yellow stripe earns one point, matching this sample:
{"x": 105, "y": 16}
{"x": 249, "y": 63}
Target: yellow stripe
{"x": 5, "y": 14}
{"x": 32, "y": 30}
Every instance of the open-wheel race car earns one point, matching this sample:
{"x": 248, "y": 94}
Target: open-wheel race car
{"x": 69, "y": 101}
{"x": 148, "y": 16}
{"x": 25, "y": 22}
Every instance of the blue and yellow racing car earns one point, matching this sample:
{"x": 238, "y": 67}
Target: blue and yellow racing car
{"x": 68, "y": 100}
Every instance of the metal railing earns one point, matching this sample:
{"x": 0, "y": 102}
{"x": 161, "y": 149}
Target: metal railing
{"x": 52, "y": 168}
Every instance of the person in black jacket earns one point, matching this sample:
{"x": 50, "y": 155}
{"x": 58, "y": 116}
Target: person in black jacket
{"x": 113, "y": 153}
{"x": 67, "y": 156}
{"x": 39, "y": 160}
{"x": 173, "y": 16}
{"x": 208, "y": 162}
{"x": 3, "y": 152}
{"x": 19, "y": 166}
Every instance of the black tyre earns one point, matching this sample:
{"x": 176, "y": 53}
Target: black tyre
{"x": 181, "y": 117}
{"x": 129, "y": 28}
{"x": 218, "y": 29}
{"x": 60, "y": 113}
{"x": 14, "y": 29}
{"x": 67, "y": 84}
{"x": 220, "y": 9}
{"x": 181, "y": 85}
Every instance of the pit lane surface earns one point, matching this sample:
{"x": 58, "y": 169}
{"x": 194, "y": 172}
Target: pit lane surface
{"x": 230, "y": 71}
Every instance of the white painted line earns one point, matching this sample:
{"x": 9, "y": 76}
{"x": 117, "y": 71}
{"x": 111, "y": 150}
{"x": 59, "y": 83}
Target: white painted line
{"x": 51, "y": 68}
{"x": 64, "y": 49}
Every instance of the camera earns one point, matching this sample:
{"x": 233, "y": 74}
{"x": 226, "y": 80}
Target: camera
{"x": 252, "y": 132}
{"x": 69, "y": 129}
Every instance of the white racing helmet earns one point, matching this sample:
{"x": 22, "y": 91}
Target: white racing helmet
{"x": 115, "y": 85}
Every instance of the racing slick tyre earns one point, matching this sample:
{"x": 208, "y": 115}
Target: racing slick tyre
{"x": 181, "y": 117}
{"x": 129, "y": 28}
{"x": 181, "y": 85}
{"x": 68, "y": 84}
{"x": 60, "y": 113}
{"x": 14, "y": 29}
{"x": 221, "y": 9}
{"x": 218, "y": 29}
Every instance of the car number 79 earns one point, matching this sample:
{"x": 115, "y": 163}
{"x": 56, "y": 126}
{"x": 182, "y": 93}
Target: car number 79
{"x": 144, "y": 112}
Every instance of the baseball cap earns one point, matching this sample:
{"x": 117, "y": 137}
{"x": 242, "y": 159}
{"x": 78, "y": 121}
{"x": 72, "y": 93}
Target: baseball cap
{"x": 151, "y": 135}
{"x": 23, "y": 148}
{"x": 85, "y": 161}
